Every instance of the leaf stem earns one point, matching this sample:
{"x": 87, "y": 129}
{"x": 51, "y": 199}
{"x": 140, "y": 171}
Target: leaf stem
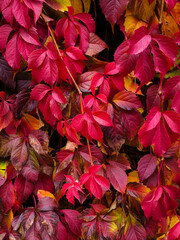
{"x": 161, "y": 13}
{"x": 74, "y": 81}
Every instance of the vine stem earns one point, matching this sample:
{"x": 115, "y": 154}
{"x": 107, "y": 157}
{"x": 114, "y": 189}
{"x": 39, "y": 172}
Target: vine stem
{"x": 73, "y": 80}
{"x": 159, "y": 173}
{"x": 161, "y": 13}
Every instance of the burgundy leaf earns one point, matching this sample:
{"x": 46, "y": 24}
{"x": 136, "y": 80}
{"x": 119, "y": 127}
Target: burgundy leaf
{"x": 127, "y": 100}
{"x": 144, "y": 70}
{"x": 23, "y": 188}
{"x": 153, "y": 97}
{"x": 44, "y": 182}
{"x": 113, "y": 9}
{"x": 146, "y": 166}
{"x": 6, "y": 74}
{"x": 117, "y": 177}
{"x": 7, "y": 195}
{"x": 171, "y": 86}
{"x": 61, "y": 231}
{"x": 74, "y": 223}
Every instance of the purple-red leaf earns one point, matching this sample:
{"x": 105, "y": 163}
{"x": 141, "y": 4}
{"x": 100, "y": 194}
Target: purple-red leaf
{"x": 113, "y": 9}
{"x": 146, "y": 166}
{"x": 117, "y": 177}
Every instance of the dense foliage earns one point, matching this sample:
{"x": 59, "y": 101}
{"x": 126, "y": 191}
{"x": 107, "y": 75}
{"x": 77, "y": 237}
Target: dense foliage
{"x": 89, "y": 119}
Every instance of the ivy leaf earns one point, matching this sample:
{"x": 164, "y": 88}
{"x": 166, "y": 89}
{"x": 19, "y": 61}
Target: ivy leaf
{"x": 139, "y": 41}
{"x": 61, "y": 231}
{"x": 43, "y": 64}
{"x": 146, "y": 166}
{"x": 159, "y": 201}
{"x": 23, "y": 188}
{"x": 116, "y": 176}
{"x": 72, "y": 219}
{"x": 7, "y": 195}
{"x": 113, "y": 9}
{"x": 153, "y": 97}
{"x": 96, "y": 45}
{"x": 72, "y": 189}
{"x": 134, "y": 230}
{"x": 126, "y": 100}
{"x": 144, "y": 69}
{"x": 174, "y": 232}
{"x": 94, "y": 182}
{"x": 39, "y": 141}
{"x": 44, "y": 182}
{"x": 176, "y": 103}
{"x": 6, "y": 74}
{"x": 171, "y": 86}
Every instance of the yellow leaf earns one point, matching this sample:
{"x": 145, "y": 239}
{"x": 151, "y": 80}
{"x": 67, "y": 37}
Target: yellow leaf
{"x": 3, "y": 166}
{"x": 87, "y": 4}
{"x": 61, "y": 5}
{"x": 175, "y": 12}
{"x": 173, "y": 221}
{"x": 32, "y": 122}
{"x": 142, "y": 9}
{"x": 133, "y": 177}
{"x": 130, "y": 84}
{"x": 169, "y": 25}
{"x": 42, "y": 193}
{"x": 77, "y": 5}
{"x": 7, "y": 219}
{"x": 131, "y": 23}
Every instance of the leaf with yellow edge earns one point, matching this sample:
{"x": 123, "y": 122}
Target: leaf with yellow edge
{"x": 133, "y": 177}
{"x": 131, "y": 23}
{"x": 60, "y": 5}
{"x": 3, "y": 173}
{"x": 7, "y": 219}
{"x": 169, "y": 25}
{"x": 87, "y": 5}
{"x": 77, "y": 5}
{"x": 134, "y": 229}
{"x": 142, "y": 9}
{"x": 42, "y": 193}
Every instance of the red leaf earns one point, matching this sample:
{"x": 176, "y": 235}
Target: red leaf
{"x": 5, "y": 31}
{"x": 61, "y": 231}
{"x": 139, "y": 41}
{"x": 146, "y": 166}
{"x": 176, "y": 102}
{"x": 153, "y": 97}
{"x": 174, "y": 232}
{"x": 171, "y": 87}
{"x": 20, "y": 12}
{"x": 74, "y": 223}
{"x": 171, "y": 3}
{"x": 167, "y": 45}
{"x": 7, "y": 195}
{"x": 173, "y": 119}
{"x": 161, "y": 62}
{"x": 36, "y": 7}
{"x": 12, "y": 55}
{"x": 39, "y": 92}
{"x": 153, "y": 118}
{"x": 144, "y": 70}
{"x": 161, "y": 146}
{"x": 23, "y": 188}
{"x": 19, "y": 155}
{"x": 117, "y": 177}
{"x": 44, "y": 183}
{"x": 102, "y": 118}
{"x": 126, "y": 100}
{"x": 113, "y": 9}
{"x": 93, "y": 182}
{"x": 125, "y": 62}
{"x": 58, "y": 95}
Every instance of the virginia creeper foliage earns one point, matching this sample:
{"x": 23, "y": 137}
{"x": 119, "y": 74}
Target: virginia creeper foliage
{"x": 89, "y": 119}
